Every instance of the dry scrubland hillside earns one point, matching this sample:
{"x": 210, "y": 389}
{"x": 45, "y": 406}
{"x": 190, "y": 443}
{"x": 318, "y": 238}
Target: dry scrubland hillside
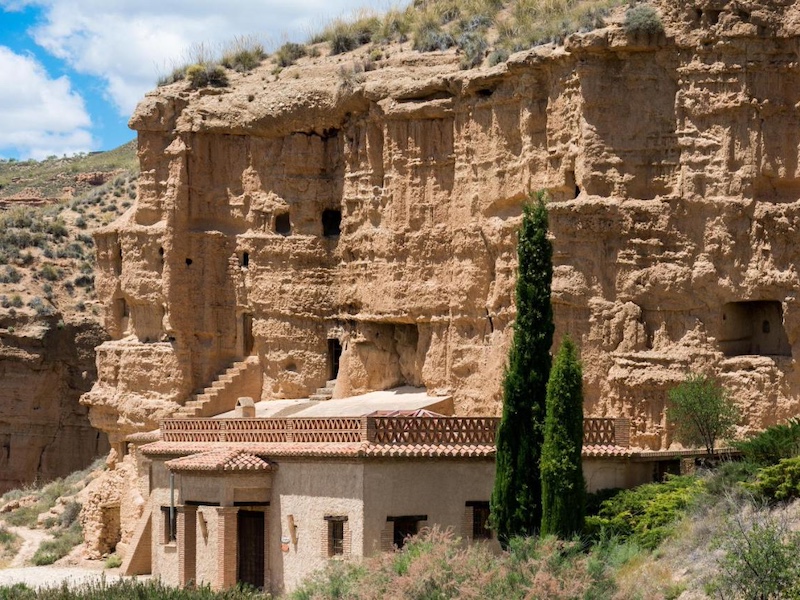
{"x": 49, "y": 314}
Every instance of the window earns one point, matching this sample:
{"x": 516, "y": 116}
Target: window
{"x": 405, "y": 527}
{"x": 245, "y": 260}
{"x": 479, "y": 520}
{"x": 283, "y": 225}
{"x": 335, "y": 541}
{"x": 170, "y": 520}
{"x": 753, "y": 328}
{"x": 331, "y": 223}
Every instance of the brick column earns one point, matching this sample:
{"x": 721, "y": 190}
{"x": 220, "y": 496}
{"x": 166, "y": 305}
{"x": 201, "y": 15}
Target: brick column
{"x": 227, "y": 547}
{"x": 187, "y": 544}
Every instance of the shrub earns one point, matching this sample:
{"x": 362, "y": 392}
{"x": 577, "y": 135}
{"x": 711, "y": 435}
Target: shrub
{"x": 645, "y": 514}
{"x": 500, "y": 55}
{"x": 473, "y": 45}
{"x": 243, "y": 54}
{"x": 71, "y": 511}
{"x": 289, "y": 53}
{"x": 42, "y": 309}
{"x": 16, "y": 301}
{"x": 760, "y": 558}
{"x": 701, "y": 411}
{"x": 205, "y": 74}
{"x": 643, "y": 19}
{"x": 429, "y": 37}
{"x": 773, "y": 444}
{"x": 113, "y": 561}
{"x": 50, "y": 272}
{"x": 781, "y": 481}
{"x": 11, "y": 275}
{"x": 122, "y": 589}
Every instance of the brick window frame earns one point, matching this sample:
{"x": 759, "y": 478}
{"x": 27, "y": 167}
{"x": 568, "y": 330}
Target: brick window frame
{"x": 476, "y": 517}
{"x": 336, "y": 537}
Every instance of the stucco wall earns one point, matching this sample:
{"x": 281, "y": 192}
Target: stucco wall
{"x": 309, "y": 492}
{"x": 436, "y": 488}
{"x": 604, "y": 474}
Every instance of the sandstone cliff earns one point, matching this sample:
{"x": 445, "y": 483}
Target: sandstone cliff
{"x": 375, "y": 212}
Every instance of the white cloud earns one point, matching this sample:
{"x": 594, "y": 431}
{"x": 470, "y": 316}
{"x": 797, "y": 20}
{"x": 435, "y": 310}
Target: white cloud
{"x": 129, "y": 43}
{"x": 40, "y": 116}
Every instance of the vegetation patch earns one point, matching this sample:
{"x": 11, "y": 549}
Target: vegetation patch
{"x": 643, "y": 19}
{"x": 645, "y": 515}
{"x": 62, "y": 544}
{"x": 126, "y": 590}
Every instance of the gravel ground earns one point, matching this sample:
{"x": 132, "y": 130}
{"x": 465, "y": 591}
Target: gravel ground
{"x": 53, "y": 576}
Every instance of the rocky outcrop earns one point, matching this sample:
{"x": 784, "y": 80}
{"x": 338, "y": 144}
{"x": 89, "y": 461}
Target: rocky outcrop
{"x": 374, "y": 215}
{"x": 45, "y": 366}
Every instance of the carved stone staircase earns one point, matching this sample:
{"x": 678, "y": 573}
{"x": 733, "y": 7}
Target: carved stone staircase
{"x": 324, "y": 393}
{"x": 240, "y": 379}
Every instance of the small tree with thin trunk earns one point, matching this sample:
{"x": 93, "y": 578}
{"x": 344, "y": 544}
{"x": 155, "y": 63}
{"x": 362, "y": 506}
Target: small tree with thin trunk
{"x": 701, "y": 411}
{"x": 563, "y": 486}
{"x": 516, "y": 498}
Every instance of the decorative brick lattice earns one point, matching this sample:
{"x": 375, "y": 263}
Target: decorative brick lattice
{"x": 326, "y": 430}
{"x": 598, "y": 432}
{"x": 434, "y": 430}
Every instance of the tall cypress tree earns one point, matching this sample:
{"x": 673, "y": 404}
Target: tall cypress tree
{"x": 516, "y": 498}
{"x": 563, "y": 486}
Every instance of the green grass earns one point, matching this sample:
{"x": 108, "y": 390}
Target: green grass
{"x": 64, "y": 541}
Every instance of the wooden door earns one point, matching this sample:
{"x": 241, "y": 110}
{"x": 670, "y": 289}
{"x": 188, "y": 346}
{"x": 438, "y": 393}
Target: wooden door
{"x": 251, "y": 548}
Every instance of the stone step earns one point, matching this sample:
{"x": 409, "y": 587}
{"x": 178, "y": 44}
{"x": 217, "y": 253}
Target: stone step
{"x": 319, "y": 397}
{"x": 325, "y": 390}
{"x": 331, "y": 383}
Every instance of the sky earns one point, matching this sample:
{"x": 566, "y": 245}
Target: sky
{"x": 72, "y": 71}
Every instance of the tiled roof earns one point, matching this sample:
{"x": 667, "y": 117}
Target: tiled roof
{"x": 324, "y": 450}
{"x": 221, "y": 459}
{"x": 144, "y": 437}
{"x": 604, "y": 451}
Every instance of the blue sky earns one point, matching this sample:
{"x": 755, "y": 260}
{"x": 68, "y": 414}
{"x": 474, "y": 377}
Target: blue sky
{"x": 72, "y": 71}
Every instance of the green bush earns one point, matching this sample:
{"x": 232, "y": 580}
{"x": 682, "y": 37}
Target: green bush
{"x": 773, "y": 444}
{"x": 289, "y": 53}
{"x": 206, "y": 74}
{"x": 728, "y": 477}
{"x": 113, "y": 561}
{"x": 643, "y": 18}
{"x": 781, "y": 481}
{"x": 50, "y": 272}
{"x": 645, "y": 514}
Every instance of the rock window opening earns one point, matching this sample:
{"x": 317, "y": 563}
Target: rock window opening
{"x": 334, "y": 355}
{"x": 573, "y": 184}
{"x": 283, "y": 225}
{"x": 336, "y": 534}
{"x": 245, "y": 261}
{"x": 405, "y": 527}
{"x": 118, "y": 261}
{"x": 480, "y": 520}
{"x": 170, "y": 521}
{"x": 331, "y": 222}
{"x": 188, "y": 262}
{"x": 754, "y": 327}
{"x": 122, "y": 308}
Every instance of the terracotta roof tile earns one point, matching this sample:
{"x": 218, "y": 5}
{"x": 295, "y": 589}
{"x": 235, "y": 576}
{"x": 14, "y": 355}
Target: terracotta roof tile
{"x": 605, "y": 451}
{"x": 221, "y": 459}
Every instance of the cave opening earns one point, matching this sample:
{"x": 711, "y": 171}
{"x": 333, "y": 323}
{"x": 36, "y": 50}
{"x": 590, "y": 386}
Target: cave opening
{"x": 754, "y": 328}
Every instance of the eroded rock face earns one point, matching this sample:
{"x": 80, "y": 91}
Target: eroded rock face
{"x": 295, "y": 217}
{"x": 44, "y": 368}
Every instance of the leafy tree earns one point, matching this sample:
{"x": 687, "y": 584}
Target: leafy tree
{"x": 701, "y": 411}
{"x": 516, "y": 498}
{"x": 563, "y": 486}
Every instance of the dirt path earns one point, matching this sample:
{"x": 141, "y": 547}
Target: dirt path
{"x": 20, "y": 571}
{"x": 31, "y": 538}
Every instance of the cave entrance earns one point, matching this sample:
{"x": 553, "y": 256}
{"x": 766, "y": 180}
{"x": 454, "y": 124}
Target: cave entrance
{"x": 754, "y": 327}
{"x": 334, "y": 355}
